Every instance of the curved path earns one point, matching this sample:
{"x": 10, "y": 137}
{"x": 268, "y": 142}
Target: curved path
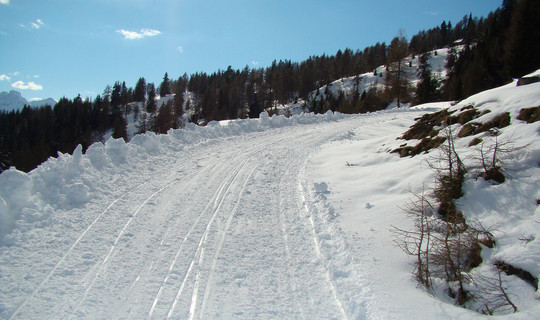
{"x": 228, "y": 228}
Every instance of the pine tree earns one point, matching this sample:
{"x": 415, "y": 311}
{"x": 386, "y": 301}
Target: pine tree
{"x": 120, "y": 128}
{"x": 124, "y": 98}
{"x": 116, "y": 99}
{"x": 427, "y": 88}
{"x": 151, "y": 102}
{"x": 165, "y": 86}
{"x": 164, "y": 119}
{"x": 522, "y": 47}
{"x": 143, "y": 125}
{"x": 140, "y": 90}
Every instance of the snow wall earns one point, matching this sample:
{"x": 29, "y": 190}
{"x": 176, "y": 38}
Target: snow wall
{"x": 66, "y": 182}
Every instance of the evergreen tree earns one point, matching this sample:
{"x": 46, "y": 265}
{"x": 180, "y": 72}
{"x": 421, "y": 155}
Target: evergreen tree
{"x": 116, "y": 99}
{"x": 427, "y": 88}
{"x": 143, "y": 125}
{"x": 522, "y": 46}
{"x": 151, "y": 102}
{"x": 165, "y": 86}
{"x": 139, "y": 94}
{"x": 164, "y": 119}
{"x": 125, "y": 98}
{"x": 120, "y": 128}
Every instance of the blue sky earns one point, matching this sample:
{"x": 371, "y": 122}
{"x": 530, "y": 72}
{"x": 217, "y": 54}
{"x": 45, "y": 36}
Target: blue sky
{"x": 55, "y": 48}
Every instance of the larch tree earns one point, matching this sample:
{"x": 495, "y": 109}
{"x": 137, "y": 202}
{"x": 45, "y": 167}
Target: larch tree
{"x": 397, "y": 80}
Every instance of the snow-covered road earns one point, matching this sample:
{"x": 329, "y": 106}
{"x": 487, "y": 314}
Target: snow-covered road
{"x": 269, "y": 218}
{"x": 226, "y": 228}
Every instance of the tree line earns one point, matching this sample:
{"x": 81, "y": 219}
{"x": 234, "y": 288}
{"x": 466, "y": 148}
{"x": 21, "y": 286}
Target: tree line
{"x": 496, "y": 48}
{"x": 503, "y": 46}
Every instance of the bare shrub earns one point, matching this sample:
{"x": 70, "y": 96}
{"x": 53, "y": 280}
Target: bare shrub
{"x": 489, "y": 156}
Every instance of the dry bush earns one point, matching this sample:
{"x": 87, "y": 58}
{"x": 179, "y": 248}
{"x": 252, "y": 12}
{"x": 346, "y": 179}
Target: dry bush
{"x": 444, "y": 245}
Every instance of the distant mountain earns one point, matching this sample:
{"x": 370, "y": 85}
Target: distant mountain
{"x": 43, "y": 102}
{"x": 13, "y": 100}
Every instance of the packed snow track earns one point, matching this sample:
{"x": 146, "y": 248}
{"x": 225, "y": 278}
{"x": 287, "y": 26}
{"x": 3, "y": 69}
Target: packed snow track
{"x": 221, "y": 227}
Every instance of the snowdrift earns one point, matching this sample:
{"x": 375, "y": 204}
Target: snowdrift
{"x": 65, "y": 182}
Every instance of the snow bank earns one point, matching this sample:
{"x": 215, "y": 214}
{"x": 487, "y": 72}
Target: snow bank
{"x": 369, "y": 186}
{"x": 65, "y": 182}
{"x": 15, "y": 191}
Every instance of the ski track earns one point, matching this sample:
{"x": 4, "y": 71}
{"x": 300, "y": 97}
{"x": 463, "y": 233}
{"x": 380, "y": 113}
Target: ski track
{"x": 217, "y": 200}
{"x": 103, "y": 264}
{"x": 318, "y": 246}
{"x": 205, "y": 225}
{"x": 57, "y": 265}
{"x": 220, "y": 244}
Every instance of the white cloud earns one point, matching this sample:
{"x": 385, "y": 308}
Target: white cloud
{"x": 4, "y": 1}
{"x": 181, "y": 49}
{"x": 143, "y": 33}
{"x": 26, "y": 86}
{"x": 37, "y": 24}
{"x": 4, "y": 77}
{"x": 16, "y": 73}
{"x": 433, "y": 13}
{"x": 254, "y": 63}
{"x": 35, "y": 99}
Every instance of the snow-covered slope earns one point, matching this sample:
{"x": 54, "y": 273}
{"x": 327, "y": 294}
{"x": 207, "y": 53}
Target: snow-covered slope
{"x": 375, "y": 80}
{"x": 370, "y": 193}
{"x": 268, "y": 218}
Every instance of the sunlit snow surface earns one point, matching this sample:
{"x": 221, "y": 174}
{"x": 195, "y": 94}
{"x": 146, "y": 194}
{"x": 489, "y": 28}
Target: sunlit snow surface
{"x": 271, "y": 218}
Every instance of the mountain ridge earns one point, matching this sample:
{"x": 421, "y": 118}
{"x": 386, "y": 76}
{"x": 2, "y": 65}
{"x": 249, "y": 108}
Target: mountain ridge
{"x": 13, "y": 100}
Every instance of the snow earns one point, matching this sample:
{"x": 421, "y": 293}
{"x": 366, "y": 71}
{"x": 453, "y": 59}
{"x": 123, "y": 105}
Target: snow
{"x": 269, "y": 218}
{"x": 372, "y": 80}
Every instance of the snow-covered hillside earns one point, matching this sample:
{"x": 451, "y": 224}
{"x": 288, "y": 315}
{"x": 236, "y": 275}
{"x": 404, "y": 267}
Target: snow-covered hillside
{"x": 269, "y": 218}
{"x": 363, "y": 82}
{"x": 375, "y": 80}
